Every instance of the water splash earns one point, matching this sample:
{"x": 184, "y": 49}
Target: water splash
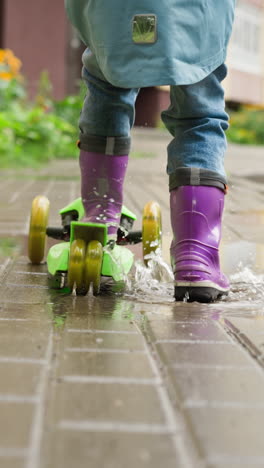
{"x": 116, "y": 261}
{"x": 186, "y": 297}
{"x": 246, "y": 285}
{"x": 246, "y": 295}
{"x": 152, "y": 283}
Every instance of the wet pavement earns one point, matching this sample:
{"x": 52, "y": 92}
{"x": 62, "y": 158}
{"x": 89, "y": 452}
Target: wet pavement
{"x": 132, "y": 378}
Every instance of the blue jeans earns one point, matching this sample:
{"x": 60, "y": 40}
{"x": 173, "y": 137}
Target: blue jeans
{"x": 196, "y": 119}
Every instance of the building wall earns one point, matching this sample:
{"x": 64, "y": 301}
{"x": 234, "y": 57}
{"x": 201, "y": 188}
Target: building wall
{"x": 39, "y": 34}
{"x": 1, "y": 22}
{"x": 245, "y": 60}
{"x": 36, "y": 30}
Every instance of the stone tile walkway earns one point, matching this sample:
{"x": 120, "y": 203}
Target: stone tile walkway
{"x": 118, "y": 381}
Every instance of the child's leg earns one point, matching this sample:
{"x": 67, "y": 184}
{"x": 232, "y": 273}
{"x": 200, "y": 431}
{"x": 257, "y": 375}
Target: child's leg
{"x": 105, "y": 122}
{"x": 197, "y": 120}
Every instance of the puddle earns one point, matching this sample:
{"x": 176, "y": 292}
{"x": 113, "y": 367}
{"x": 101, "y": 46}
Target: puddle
{"x": 90, "y": 310}
{"x": 242, "y": 261}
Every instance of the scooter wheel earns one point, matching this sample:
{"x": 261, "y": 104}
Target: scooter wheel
{"x": 76, "y": 266}
{"x": 37, "y": 229}
{"x": 151, "y": 229}
{"x": 93, "y": 266}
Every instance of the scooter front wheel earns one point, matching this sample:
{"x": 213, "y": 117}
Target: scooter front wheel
{"x": 93, "y": 266}
{"x": 151, "y": 229}
{"x": 76, "y": 266}
{"x": 37, "y": 229}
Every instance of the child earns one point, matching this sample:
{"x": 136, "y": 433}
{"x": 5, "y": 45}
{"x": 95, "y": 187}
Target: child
{"x": 138, "y": 43}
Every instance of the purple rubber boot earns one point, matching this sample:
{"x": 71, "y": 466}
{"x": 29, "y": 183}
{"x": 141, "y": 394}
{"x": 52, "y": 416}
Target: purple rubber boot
{"x": 196, "y": 213}
{"x": 102, "y": 178}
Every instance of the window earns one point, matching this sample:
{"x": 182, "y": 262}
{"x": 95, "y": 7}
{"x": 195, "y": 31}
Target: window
{"x": 246, "y": 41}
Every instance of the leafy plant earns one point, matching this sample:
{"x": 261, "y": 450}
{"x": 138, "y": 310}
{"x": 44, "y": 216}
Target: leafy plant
{"x": 69, "y": 108}
{"x": 30, "y": 135}
{"x": 247, "y": 126}
{"x": 34, "y": 132}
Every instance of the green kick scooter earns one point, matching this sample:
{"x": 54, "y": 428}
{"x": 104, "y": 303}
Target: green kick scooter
{"x": 85, "y": 254}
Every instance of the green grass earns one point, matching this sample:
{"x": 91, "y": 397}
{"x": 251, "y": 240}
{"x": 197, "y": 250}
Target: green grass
{"x": 142, "y": 154}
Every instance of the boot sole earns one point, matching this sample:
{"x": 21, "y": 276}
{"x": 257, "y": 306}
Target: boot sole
{"x": 198, "y": 294}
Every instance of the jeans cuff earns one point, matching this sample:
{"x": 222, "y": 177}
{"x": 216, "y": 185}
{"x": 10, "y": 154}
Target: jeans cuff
{"x": 196, "y": 176}
{"x": 117, "y": 146}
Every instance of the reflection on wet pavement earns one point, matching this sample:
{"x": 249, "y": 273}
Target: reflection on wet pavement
{"x": 242, "y": 261}
{"x": 113, "y": 367}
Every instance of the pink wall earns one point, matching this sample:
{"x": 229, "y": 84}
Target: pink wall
{"x": 258, "y": 3}
{"x": 36, "y": 31}
{"x": 245, "y": 87}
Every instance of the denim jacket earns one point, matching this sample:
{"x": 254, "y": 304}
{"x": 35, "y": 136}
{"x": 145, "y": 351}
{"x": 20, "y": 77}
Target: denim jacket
{"x": 138, "y": 43}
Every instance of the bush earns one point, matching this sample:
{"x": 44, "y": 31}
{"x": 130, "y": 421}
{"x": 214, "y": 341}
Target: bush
{"x": 34, "y": 132}
{"x": 247, "y": 126}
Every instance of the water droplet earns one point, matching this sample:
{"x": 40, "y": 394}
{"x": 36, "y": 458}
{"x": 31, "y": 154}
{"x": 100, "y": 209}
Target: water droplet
{"x": 186, "y": 297}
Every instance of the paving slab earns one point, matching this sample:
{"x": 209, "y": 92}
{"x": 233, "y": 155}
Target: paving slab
{"x": 229, "y": 434}
{"x": 112, "y": 449}
{"x": 13, "y": 461}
